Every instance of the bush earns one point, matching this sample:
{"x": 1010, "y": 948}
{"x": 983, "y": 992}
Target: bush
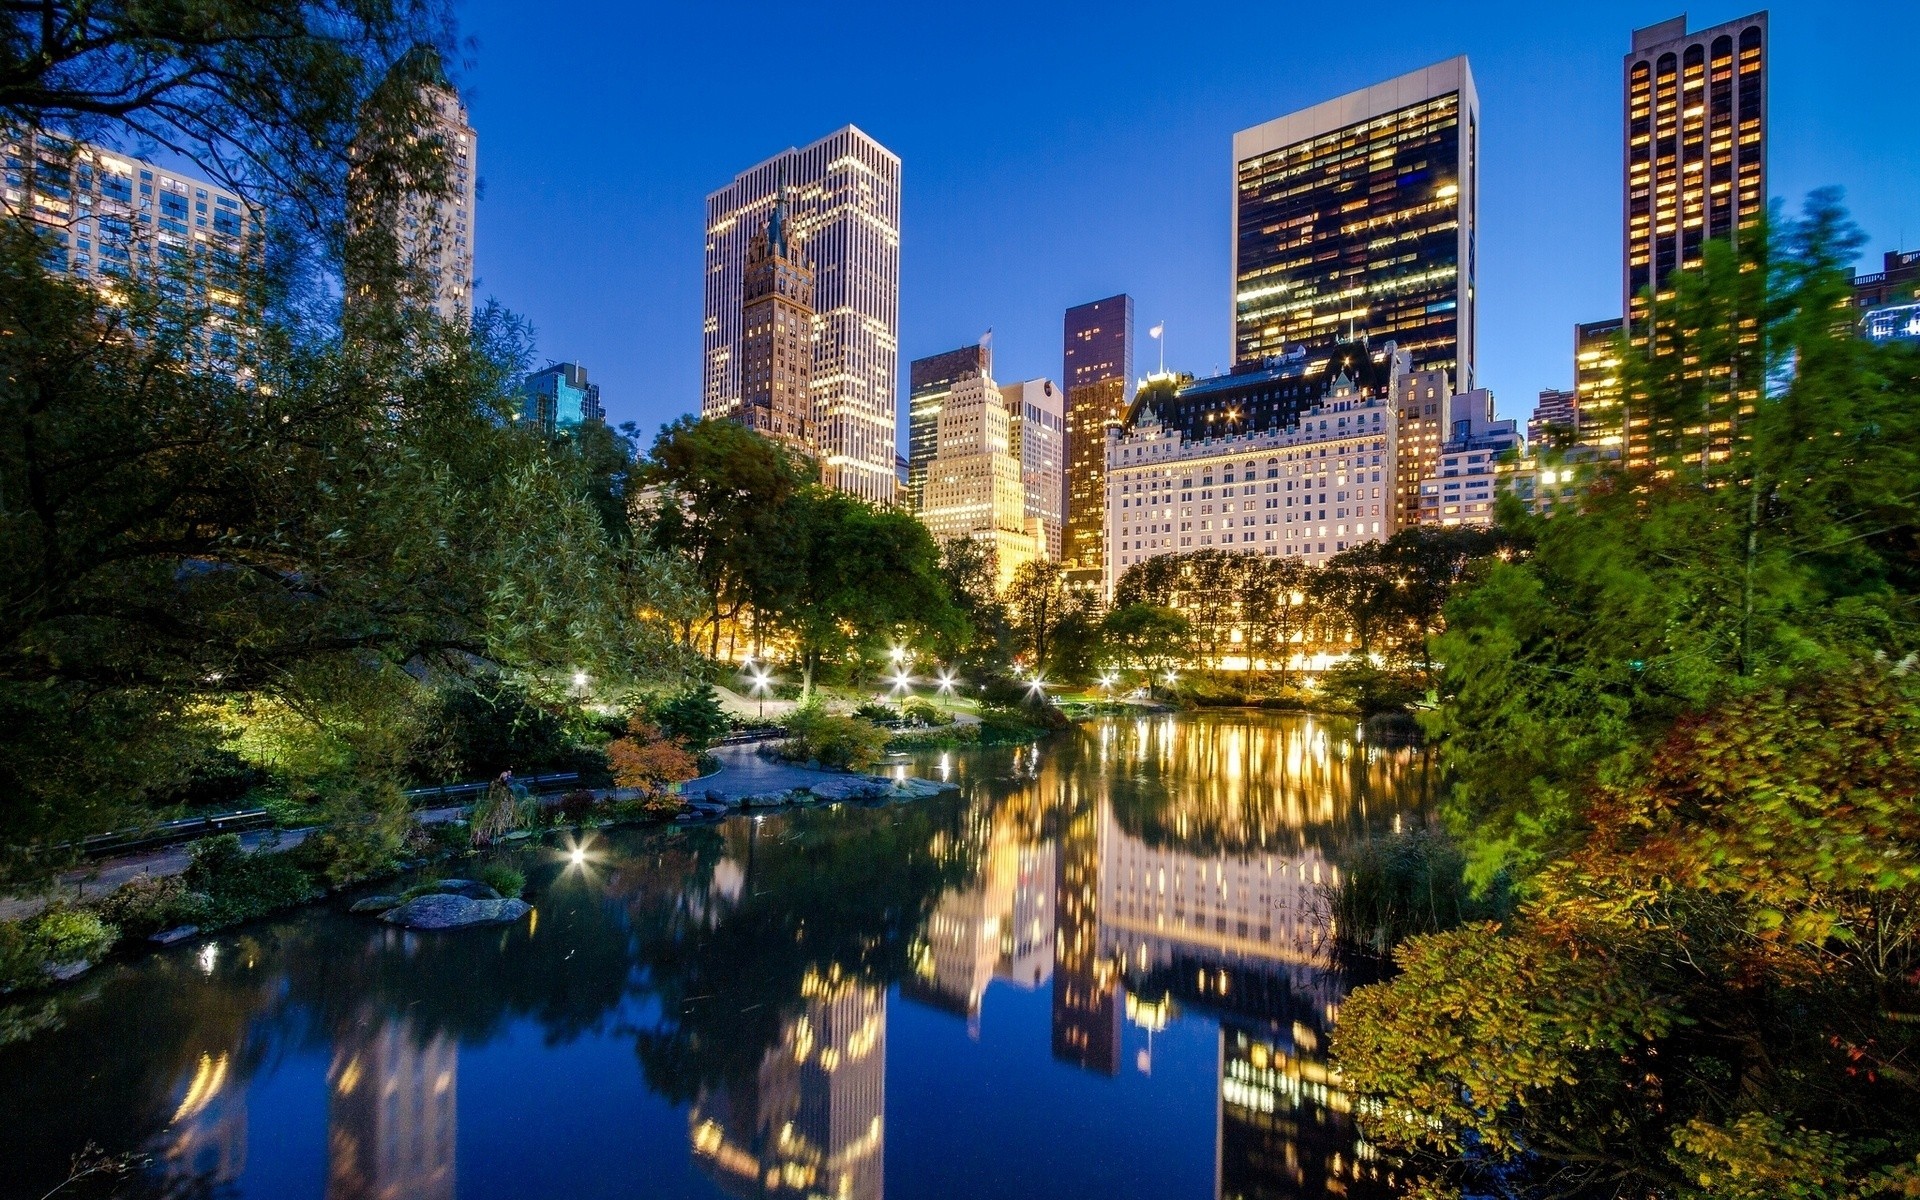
{"x": 1355, "y": 685}
{"x": 576, "y": 806}
{"x": 499, "y": 812}
{"x": 237, "y": 886}
{"x": 508, "y": 881}
{"x": 878, "y": 712}
{"x": 693, "y": 718}
{"x": 481, "y": 729}
{"x": 923, "y": 712}
{"x": 815, "y": 735}
{"x": 146, "y": 906}
{"x": 59, "y": 934}
{"x": 648, "y": 761}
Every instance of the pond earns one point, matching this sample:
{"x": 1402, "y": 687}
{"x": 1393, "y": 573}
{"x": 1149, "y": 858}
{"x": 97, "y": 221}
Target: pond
{"x": 1103, "y": 969}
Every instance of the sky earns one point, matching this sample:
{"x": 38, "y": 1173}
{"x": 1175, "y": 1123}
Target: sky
{"x": 1058, "y": 153}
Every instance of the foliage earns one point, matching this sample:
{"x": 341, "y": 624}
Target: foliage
{"x": 918, "y": 710}
{"x": 648, "y": 761}
{"x": 877, "y": 712}
{"x": 478, "y": 728}
{"x": 56, "y": 935}
{"x": 692, "y": 718}
{"x": 1711, "y": 996}
{"x": 1391, "y": 888}
{"x": 982, "y": 640}
{"x": 498, "y": 812}
{"x": 1148, "y": 638}
{"x": 1356, "y": 684}
{"x": 507, "y": 880}
{"x": 833, "y": 740}
{"x": 1037, "y": 602}
{"x": 1781, "y": 545}
{"x": 231, "y": 885}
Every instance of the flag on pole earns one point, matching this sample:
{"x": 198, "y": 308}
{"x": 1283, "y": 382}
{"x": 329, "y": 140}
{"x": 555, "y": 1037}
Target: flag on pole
{"x": 1157, "y": 330}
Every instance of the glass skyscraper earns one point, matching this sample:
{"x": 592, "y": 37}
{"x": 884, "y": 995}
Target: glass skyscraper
{"x": 1355, "y": 220}
{"x": 930, "y": 381}
{"x": 844, "y": 195}
{"x": 1097, "y": 368}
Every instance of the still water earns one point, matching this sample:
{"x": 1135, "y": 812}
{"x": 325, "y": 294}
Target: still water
{"x": 1102, "y": 970}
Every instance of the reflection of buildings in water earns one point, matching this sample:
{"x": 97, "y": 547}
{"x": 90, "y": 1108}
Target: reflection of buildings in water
{"x": 206, "y": 1141}
{"x": 999, "y": 925}
{"x": 811, "y": 1122}
{"x": 1285, "y": 1127}
{"x": 390, "y": 1113}
{"x": 1086, "y": 986}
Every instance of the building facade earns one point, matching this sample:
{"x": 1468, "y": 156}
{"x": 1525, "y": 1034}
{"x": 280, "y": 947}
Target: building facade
{"x": 1355, "y": 219}
{"x": 776, "y": 335}
{"x": 109, "y": 217}
{"x": 1310, "y": 490}
{"x": 1896, "y": 282}
{"x": 1097, "y": 373}
{"x": 844, "y": 195}
{"x": 1036, "y": 416}
{"x": 930, "y": 381}
{"x": 973, "y": 487}
{"x": 559, "y": 397}
{"x": 1462, "y": 487}
{"x": 437, "y": 232}
{"x": 1555, "y": 413}
{"x": 1696, "y": 149}
{"x": 1597, "y": 385}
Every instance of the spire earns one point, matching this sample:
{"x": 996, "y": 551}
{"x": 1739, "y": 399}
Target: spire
{"x": 777, "y": 223}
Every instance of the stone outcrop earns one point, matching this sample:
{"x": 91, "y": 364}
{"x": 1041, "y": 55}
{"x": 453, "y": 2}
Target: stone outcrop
{"x": 446, "y": 910}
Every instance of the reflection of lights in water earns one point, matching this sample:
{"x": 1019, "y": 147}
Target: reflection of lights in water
{"x": 946, "y": 766}
{"x": 209, "y": 956}
{"x": 578, "y": 850}
{"x": 208, "y": 1078}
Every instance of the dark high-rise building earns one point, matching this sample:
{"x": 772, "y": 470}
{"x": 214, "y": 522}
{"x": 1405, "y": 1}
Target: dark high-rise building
{"x": 1596, "y": 384}
{"x": 1355, "y": 220}
{"x": 1696, "y": 147}
{"x": 1557, "y": 412}
{"x": 776, "y": 334}
{"x": 1097, "y": 370}
{"x": 930, "y": 381}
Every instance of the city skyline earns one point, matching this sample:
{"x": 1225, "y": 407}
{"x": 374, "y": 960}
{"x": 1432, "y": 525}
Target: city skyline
{"x": 1550, "y": 202}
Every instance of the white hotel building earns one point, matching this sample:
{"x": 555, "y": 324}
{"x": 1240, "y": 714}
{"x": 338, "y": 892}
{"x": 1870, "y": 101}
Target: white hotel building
{"x": 843, "y": 192}
{"x": 1309, "y": 490}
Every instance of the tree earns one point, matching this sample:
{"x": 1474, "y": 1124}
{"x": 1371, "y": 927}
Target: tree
{"x": 1428, "y": 563}
{"x": 1356, "y": 588}
{"x": 1274, "y": 610}
{"x": 1037, "y": 602}
{"x": 1679, "y": 585}
{"x": 1710, "y": 997}
{"x": 967, "y": 571}
{"x": 1150, "y": 638}
{"x": 725, "y": 501}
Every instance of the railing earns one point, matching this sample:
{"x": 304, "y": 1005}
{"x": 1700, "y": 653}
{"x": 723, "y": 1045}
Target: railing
{"x": 464, "y": 791}
{"x": 173, "y": 832}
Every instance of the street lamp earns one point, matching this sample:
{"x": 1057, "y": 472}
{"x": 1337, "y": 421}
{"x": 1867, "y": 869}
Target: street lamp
{"x": 946, "y": 682}
{"x": 760, "y": 681}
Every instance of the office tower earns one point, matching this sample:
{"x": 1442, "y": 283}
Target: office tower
{"x": 108, "y": 216}
{"x": 929, "y": 381}
{"x": 1596, "y": 384}
{"x": 1086, "y": 986}
{"x": 1097, "y": 372}
{"x": 1557, "y": 412}
{"x": 1696, "y": 148}
{"x": 558, "y": 397}
{"x": 776, "y": 334}
{"x": 1036, "y": 414}
{"x": 1460, "y": 489}
{"x": 1355, "y": 220}
{"x": 844, "y": 196}
{"x": 973, "y": 487}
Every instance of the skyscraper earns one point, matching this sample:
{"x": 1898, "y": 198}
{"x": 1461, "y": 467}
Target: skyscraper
{"x": 1596, "y": 384}
{"x": 558, "y": 397}
{"x": 973, "y": 487}
{"x": 1696, "y": 148}
{"x": 844, "y": 194}
{"x": 1557, "y": 410}
{"x": 930, "y": 381}
{"x": 1356, "y": 219}
{"x": 1037, "y": 430}
{"x": 442, "y": 241}
{"x": 1097, "y": 370}
{"x": 776, "y": 328}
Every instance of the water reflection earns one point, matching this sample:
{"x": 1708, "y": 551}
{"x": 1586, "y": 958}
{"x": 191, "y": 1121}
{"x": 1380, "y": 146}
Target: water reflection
{"x": 1143, "y": 881}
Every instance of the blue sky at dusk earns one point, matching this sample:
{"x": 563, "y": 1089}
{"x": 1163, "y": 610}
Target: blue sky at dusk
{"x": 1053, "y": 154}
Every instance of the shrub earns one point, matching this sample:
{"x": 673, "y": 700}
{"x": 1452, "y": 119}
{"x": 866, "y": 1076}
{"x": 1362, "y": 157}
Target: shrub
{"x": 57, "y": 935}
{"x": 648, "y": 761}
{"x": 1355, "y": 685}
{"x": 920, "y": 711}
{"x": 576, "y": 806}
{"x": 146, "y": 906}
{"x": 508, "y": 881}
{"x": 499, "y": 812}
{"x": 815, "y": 735}
{"x": 877, "y": 712}
{"x": 238, "y": 886}
{"x": 693, "y": 718}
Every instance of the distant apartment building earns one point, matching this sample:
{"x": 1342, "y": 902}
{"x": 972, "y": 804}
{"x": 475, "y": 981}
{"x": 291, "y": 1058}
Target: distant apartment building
{"x": 1037, "y": 423}
{"x": 1097, "y": 373}
{"x": 1309, "y": 490}
{"x": 1356, "y": 220}
{"x": 1555, "y": 414}
{"x": 109, "y": 217}
{"x": 844, "y": 196}
{"x": 776, "y": 335}
{"x": 930, "y": 381}
{"x": 437, "y": 233}
{"x": 1549, "y": 481}
{"x": 558, "y": 397}
{"x": 1895, "y": 283}
{"x": 973, "y": 487}
{"x": 1597, "y": 385}
{"x": 1462, "y": 488}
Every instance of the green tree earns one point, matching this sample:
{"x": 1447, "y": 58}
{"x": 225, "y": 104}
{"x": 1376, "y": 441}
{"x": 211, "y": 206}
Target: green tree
{"x": 1149, "y": 638}
{"x": 1037, "y": 602}
{"x": 982, "y": 641}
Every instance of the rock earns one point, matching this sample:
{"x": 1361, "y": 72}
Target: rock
{"x": 472, "y": 889}
{"x": 179, "y": 933}
{"x": 375, "y": 904}
{"x": 443, "y": 910}
{"x": 62, "y": 972}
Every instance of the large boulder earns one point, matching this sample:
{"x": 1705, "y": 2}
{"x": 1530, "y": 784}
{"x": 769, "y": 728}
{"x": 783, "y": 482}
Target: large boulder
{"x": 875, "y": 787}
{"x": 443, "y": 910}
{"x": 472, "y": 889}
